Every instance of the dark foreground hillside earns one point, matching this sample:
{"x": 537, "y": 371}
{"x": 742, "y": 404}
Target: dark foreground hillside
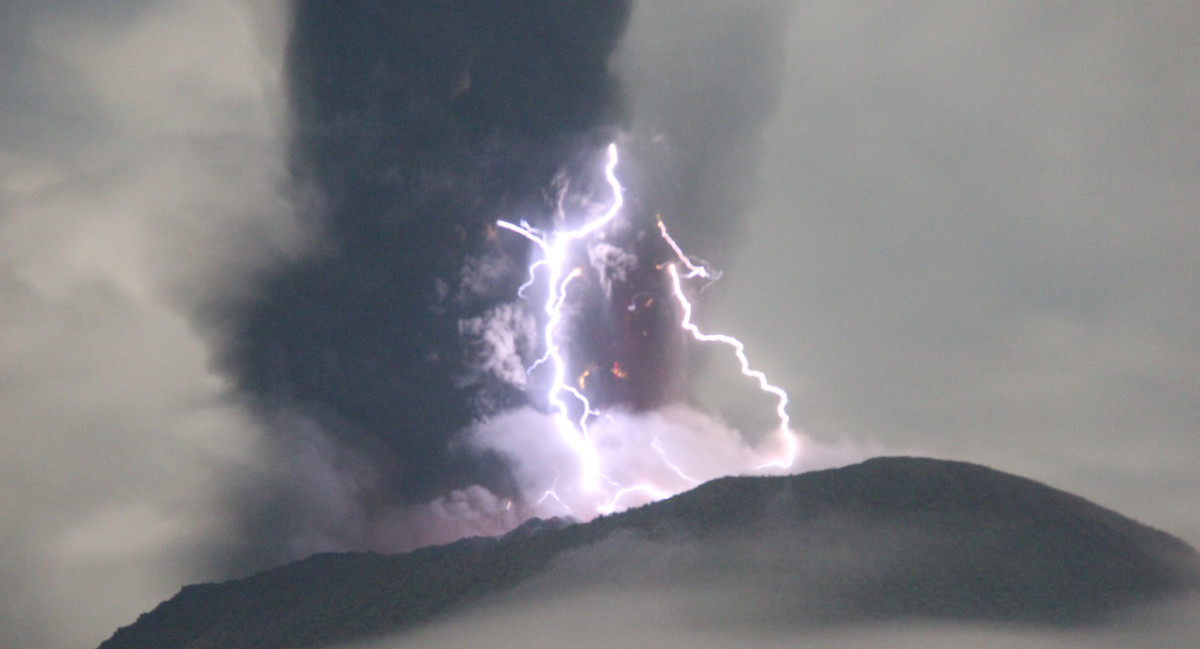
{"x": 890, "y": 538}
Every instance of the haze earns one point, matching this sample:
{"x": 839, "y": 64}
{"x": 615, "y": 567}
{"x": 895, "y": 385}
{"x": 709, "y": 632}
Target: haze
{"x": 967, "y": 230}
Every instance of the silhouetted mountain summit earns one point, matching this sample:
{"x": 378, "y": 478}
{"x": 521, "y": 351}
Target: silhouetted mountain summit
{"x": 889, "y": 538}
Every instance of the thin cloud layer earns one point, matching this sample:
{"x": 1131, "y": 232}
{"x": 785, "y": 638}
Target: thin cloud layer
{"x": 629, "y": 592}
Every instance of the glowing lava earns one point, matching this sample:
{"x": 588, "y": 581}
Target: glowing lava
{"x": 569, "y": 406}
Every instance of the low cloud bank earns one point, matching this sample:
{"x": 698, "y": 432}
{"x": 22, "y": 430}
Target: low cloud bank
{"x": 629, "y": 592}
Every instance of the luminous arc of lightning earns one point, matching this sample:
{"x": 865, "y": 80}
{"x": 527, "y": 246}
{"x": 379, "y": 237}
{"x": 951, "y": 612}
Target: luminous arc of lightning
{"x": 555, "y": 248}
{"x": 739, "y": 350}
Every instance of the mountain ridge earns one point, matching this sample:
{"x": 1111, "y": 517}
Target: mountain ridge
{"x": 948, "y": 540}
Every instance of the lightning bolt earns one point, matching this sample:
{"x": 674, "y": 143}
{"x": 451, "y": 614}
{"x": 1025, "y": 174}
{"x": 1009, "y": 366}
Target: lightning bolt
{"x": 700, "y": 268}
{"x": 791, "y": 445}
{"x": 555, "y": 247}
{"x": 563, "y": 398}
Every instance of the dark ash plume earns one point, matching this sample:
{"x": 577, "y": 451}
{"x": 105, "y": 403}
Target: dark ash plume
{"x": 418, "y": 124}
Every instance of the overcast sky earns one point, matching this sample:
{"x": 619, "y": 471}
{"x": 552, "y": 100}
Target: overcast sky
{"x": 973, "y": 232}
{"x": 962, "y": 229}
{"x": 976, "y": 235}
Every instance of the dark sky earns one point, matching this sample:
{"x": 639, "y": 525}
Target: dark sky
{"x": 967, "y": 231}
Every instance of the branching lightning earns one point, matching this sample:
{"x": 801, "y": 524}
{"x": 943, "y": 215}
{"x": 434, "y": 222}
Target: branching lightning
{"x": 555, "y": 248}
{"x": 564, "y": 398}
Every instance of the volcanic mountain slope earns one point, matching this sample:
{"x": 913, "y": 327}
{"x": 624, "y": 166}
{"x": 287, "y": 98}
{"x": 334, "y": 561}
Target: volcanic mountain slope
{"x": 886, "y": 539}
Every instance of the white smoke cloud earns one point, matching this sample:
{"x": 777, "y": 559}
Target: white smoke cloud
{"x": 612, "y": 264}
{"x": 641, "y": 457}
{"x": 336, "y": 502}
{"x": 499, "y": 342}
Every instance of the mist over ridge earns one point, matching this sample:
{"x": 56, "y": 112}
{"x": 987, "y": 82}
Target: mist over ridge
{"x": 888, "y": 542}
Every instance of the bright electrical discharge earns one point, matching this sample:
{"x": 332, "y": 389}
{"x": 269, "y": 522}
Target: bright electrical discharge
{"x": 574, "y": 430}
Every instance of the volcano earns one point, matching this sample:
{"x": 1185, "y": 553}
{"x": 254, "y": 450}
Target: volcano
{"x": 885, "y": 540}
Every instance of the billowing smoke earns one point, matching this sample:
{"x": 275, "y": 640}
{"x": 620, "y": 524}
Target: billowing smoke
{"x": 416, "y": 125}
{"x": 397, "y": 364}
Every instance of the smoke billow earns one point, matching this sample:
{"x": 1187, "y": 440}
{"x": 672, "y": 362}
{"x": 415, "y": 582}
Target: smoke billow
{"x": 415, "y": 126}
{"x": 655, "y": 453}
{"x": 392, "y": 363}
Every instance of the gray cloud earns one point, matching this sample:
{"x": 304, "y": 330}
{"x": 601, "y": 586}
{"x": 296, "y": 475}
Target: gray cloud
{"x": 139, "y": 159}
